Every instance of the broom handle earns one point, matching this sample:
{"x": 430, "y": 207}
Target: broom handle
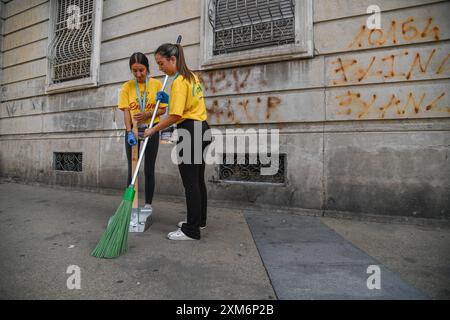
{"x": 144, "y": 146}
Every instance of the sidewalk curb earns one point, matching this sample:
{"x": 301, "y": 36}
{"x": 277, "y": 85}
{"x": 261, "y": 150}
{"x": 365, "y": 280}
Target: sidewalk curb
{"x": 243, "y": 206}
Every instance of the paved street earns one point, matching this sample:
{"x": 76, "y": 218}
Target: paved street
{"x": 243, "y": 254}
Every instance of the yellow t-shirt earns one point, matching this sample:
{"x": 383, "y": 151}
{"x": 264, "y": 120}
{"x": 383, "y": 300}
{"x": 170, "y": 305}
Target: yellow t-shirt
{"x": 186, "y": 99}
{"x": 128, "y": 97}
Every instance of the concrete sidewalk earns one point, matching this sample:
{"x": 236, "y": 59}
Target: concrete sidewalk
{"x": 39, "y": 226}
{"x": 44, "y": 230}
{"x": 419, "y": 254}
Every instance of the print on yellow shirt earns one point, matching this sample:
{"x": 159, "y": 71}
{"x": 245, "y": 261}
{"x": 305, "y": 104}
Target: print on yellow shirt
{"x": 186, "y": 99}
{"x": 128, "y": 98}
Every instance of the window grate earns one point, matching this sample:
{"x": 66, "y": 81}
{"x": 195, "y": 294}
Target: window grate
{"x": 242, "y": 171}
{"x": 248, "y": 24}
{"x": 68, "y": 161}
{"x": 71, "y": 47}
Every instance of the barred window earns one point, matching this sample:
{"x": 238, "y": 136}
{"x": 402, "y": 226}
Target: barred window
{"x": 71, "y": 49}
{"x": 239, "y": 32}
{"x": 74, "y": 43}
{"x": 248, "y": 24}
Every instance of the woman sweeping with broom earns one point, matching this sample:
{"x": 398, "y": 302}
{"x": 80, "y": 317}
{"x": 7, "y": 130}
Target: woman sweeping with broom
{"x": 137, "y": 100}
{"x": 114, "y": 241}
{"x": 186, "y": 109}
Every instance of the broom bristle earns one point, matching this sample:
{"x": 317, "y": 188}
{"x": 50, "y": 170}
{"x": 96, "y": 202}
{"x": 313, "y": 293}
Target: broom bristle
{"x": 114, "y": 240}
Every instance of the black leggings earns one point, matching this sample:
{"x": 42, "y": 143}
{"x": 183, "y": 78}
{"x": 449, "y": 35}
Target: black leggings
{"x": 149, "y": 165}
{"x": 193, "y": 176}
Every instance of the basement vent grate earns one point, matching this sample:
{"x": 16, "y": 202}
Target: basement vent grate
{"x": 68, "y": 161}
{"x": 241, "y": 170}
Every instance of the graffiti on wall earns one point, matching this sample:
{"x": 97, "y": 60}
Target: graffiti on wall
{"x": 244, "y": 95}
{"x": 236, "y": 110}
{"x": 399, "y": 104}
{"x": 402, "y": 65}
{"x": 235, "y": 80}
{"x": 257, "y": 109}
{"x": 408, "y": 30}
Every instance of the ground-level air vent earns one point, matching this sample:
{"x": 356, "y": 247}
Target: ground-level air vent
{"x": 68, "y": 161}
{"x": 241, "y": 169}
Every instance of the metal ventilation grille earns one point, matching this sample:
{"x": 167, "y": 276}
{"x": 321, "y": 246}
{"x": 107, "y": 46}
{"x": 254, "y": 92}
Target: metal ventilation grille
{"x": 242, "y": 171}
{"x": 248, "y": 24}
{"x": 71, "y": 48}
{"x": 68, "y": 161}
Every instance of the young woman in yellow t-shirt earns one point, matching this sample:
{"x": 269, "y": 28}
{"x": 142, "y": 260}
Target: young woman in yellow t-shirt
{"x": 137, "y": 100}
{"x": 186, "y": 109}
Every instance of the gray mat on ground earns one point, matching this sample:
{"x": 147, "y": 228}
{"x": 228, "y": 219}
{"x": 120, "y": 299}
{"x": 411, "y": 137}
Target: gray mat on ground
{"x": 305, "y": 259}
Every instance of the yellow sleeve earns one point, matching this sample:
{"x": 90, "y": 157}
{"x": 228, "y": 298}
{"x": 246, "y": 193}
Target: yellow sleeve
{"x": 178, "y": 97}
{"x": 123, "y": 98}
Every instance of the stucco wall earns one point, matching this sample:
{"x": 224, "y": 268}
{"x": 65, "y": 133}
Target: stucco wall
{"x": 365, "y": 123}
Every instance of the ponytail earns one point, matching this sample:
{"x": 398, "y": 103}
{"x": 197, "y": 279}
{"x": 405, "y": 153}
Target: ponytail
{"x": 169, "y": 50}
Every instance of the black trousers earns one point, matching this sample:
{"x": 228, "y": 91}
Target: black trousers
{"x": 149, "y": 165}
{"x": 193, "y": 176}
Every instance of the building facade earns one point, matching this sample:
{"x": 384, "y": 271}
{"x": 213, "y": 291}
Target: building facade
{"x": 361, "y": 105}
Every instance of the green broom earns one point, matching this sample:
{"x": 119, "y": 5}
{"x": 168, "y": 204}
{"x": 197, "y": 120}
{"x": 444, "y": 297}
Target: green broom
{"x": 114, "y": 240}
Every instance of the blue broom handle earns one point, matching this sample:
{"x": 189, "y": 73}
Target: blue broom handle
{"x": 144, "y": 146}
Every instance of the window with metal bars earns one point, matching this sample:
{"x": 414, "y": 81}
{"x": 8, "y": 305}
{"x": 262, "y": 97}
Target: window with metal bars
{"x": 73, "y": 51}
{"x": 70, "y": 52}
{"x": 248, "y": 24}
{"x": 242, "y": 32}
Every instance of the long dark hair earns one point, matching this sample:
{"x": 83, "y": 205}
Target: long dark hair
{"x": 169, "y": 50}
{"x": 140, "y": 58}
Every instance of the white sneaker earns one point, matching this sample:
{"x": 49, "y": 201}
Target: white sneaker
{"x": 178, "y": 235}
{"x": 148, "y": 207}
{"x": 181, "y": 223}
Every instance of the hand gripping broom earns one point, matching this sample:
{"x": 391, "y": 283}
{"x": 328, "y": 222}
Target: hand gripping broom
{"x": 114, "y": 240}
